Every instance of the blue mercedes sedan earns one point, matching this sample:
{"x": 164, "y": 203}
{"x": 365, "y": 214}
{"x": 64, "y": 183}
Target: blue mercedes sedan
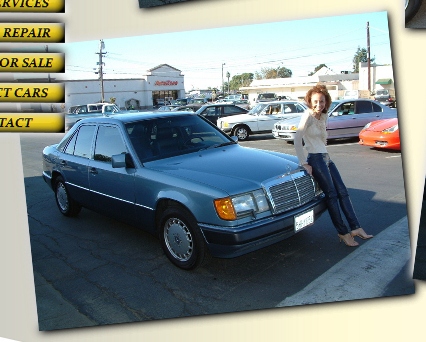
{"x": 179, "y": 177}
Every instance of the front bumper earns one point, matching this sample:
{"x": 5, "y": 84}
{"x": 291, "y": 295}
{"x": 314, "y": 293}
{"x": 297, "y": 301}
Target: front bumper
{"x": 226, "y": 129}
{"x": 225, "y": 242}
{"x": 285, "y": 135}
{"x": 380, "y": 142}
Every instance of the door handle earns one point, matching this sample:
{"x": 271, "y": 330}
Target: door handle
{"x": 63, "y": 163}
{"x": 93, "y": 171}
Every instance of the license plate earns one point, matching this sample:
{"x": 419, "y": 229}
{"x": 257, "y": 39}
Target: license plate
{"x": 303, "y": 220}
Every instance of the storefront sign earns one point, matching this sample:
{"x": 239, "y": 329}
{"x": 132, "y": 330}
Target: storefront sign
{"x": 166, "y": 83}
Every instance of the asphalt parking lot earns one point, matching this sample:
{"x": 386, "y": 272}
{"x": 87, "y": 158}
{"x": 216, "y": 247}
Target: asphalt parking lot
{"x": 92, "y": 270}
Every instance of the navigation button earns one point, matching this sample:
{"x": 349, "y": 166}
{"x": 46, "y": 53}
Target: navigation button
{"x": 32, "y": 92}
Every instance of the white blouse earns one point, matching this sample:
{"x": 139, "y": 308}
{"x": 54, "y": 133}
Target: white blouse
{"x": 313, "y": 132}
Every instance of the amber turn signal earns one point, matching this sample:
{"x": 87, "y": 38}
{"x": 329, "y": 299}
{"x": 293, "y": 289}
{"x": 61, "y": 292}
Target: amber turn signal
{"x": 225, "y": 209}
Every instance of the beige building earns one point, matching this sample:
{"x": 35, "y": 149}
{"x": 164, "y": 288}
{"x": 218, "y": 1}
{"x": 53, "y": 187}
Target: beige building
{"x": 381, "y": 76}
{"x": 160, "y": 82}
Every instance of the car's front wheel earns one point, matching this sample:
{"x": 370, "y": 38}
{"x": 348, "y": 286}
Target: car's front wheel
{"x": 241, "y": 132}
{"x": 411, "y": 9}
{"x": 181, "y": 238}
{"x": 67, "y": 206}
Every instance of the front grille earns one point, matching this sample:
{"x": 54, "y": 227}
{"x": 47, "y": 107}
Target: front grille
{"x": 291, "y": 192}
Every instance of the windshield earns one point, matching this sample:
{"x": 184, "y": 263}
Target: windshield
{"x": 180, "y": 102}
{"x": 257, "y": 109}
{"x": 332, "y": 106}
{"x": 165, "y": 137}
{"x": 266, "y": 96}
{"x": 381, "y": 92}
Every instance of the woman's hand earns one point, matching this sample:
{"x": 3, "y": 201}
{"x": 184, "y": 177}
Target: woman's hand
{"x": 308, "y": 168}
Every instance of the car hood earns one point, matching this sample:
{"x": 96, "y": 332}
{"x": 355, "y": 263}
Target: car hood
{"x": 233, "y": 169}
{"x": 294, "y": 120}
{"x": 239, "y": 118}
{"x": 380, "y": 125}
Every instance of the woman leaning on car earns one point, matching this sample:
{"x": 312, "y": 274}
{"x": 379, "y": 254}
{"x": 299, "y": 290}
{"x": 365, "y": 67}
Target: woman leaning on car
{"x": 312, "y": 130}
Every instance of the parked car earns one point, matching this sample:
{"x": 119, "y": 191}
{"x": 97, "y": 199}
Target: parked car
{"x": 188, "y": 108}
{"x": 90, "y": 108}
{"x": 181, "y": 102}
{"x": 164, "y": 172}
{"x": 386, "y": 97}
{"x": 213, "y": 112}
{"x": 233, "y": 97}
{"x": 77, "y": 115}
{"x": 411, "y": 9}
{"x": 356, "y": 94}
{"x": 346, "y": 118}
{"x": 167, "y": 108}
{"x": 381, "y": 134}
{"x": 266, "y": 97}
{"x": 241, "y": 103}
{"x": 260, "y": 119}
{"x": 200, "y": 100}
{"x": 159, "y": 102}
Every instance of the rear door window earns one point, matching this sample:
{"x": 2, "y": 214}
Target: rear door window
{"x": 81, "y": 143}
{"x": 231, "y": 110}
{"x": 364, "y": 107}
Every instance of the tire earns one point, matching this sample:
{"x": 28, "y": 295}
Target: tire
{"x": 181, "y": 238}
{"x": 66, "y": 205}
{"x": 241, "y": 132}
{"x": 411, "y": 9}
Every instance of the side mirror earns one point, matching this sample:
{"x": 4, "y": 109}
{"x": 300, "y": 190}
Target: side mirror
{"x": 121, "y": 160}
{"x": 118, "y": 160}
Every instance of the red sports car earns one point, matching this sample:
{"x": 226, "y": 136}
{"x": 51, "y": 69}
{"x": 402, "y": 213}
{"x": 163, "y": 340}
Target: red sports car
{"x": 381, "y": 134}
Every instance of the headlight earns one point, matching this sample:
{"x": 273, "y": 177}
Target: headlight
{"x": 391, "y": 129}
{"x": 366, "y": 126}
{"x": 231, "y": 208}
{"x": 289, "y": 128}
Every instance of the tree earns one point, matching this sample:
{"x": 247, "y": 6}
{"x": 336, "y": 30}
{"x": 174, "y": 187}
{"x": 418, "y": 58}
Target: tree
{"x": 242, "y": 80}
{"x": 268, "y": 73}
{"x": 317, "y": 68}
{"x": 284, "y": 72}
{"x": 361, "y": 56}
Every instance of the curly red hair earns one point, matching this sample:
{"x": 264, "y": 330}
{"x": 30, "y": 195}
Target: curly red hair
{"x": 318, "y": 89}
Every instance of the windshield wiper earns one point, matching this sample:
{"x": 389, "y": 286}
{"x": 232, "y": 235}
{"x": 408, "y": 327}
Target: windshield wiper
{"x": 219, "y": 145}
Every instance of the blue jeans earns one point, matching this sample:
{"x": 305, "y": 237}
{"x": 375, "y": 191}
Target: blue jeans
{"x": 328, "y": 177}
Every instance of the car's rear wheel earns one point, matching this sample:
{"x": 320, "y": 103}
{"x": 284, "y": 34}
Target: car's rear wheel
{"x": 241, "y": 132}
{"x": 181, "y": 238}
{"x": 67, "y": 206}
{"x": 411, "y": 9}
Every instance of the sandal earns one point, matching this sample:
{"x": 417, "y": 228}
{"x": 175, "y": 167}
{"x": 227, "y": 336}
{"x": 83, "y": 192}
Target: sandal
{"x": 348, "y": 240}
{"x": 361, "y": 233}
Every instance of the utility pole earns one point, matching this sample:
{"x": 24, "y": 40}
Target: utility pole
{"x": 46, "y": 48}
{"x": 368, "y": 57}
{"x": 223, "y": 91}
{"x": 227, "y": 76}
{"x": 100, "y": 71}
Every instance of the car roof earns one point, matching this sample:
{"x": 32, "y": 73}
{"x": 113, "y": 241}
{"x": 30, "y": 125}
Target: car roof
{"x": 351, "y": 100}
{"x": 281, "y": 101}
{"x": 221, "y": 104}
{"x": 133, "y": 116}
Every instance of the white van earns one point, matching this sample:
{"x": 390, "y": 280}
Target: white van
{"x": 356, "y": 94}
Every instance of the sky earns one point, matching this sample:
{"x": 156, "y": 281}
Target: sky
{"x": 298, "y": 45}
